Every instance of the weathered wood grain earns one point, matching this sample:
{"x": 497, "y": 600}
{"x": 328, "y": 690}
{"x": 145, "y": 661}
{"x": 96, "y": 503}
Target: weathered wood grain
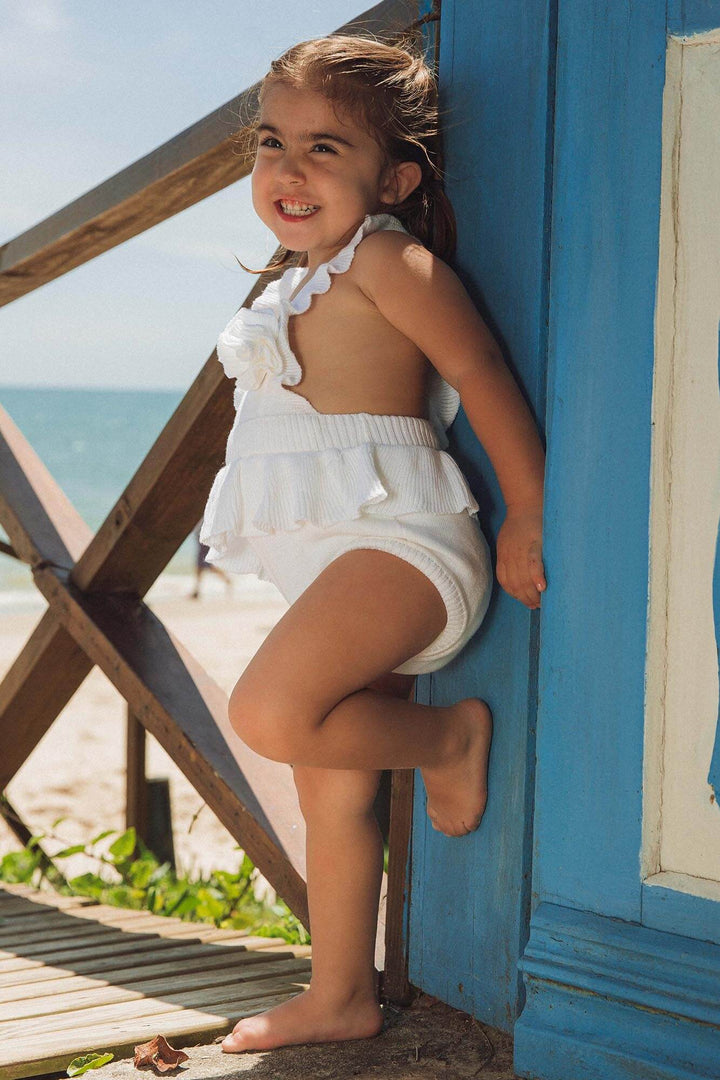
{"x": 41, "y": 522}
{"x": 187, "y": 991}
{"x": 36, "y": 688}
{"x": 396, "y": 986}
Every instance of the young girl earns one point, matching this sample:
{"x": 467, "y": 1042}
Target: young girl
{"x": 349, "y": 369}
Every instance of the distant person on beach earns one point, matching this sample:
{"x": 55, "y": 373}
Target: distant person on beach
{"x": 201, "y": 564}
{"x": 337, "y": 487}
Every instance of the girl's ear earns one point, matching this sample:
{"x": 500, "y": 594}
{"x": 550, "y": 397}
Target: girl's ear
{"x": 401, "y": 179}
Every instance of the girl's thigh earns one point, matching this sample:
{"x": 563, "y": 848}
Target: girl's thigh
{"x": 364, "y": 615}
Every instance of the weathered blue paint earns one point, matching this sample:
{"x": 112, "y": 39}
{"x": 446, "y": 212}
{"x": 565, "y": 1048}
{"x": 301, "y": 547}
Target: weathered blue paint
{"x": 625, "y": 1002}
{"x": 606, "y": 999}
{"x": 604, "y": 261}
{"x": 470, "y": 897}
{"x": 692, "y": 16}
{"x": 553, "y": 138}
{"x": 714, "y": 773}
{"x": 680, "y": 913}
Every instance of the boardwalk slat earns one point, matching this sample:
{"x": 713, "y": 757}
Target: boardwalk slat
{"x": 163, "y": 983}
{"x": 135, "y": 945}
{"x": 96, "y": 1017}
{"x": 95, "y": 996}
{"x": 54, "y": 981}
{"x": 187, "y": 1028}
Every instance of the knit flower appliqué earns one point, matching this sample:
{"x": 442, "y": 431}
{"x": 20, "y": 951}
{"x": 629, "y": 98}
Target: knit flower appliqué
{"x": 254, "y": 346}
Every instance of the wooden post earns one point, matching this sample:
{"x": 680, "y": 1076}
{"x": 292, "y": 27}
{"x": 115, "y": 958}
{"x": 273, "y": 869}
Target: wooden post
{"x": 396, "y": 985}
{"x": 136, "y": 787}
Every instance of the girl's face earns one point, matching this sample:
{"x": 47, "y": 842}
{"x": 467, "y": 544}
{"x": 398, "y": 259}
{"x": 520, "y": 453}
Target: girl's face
{"x": 317, "y": 172}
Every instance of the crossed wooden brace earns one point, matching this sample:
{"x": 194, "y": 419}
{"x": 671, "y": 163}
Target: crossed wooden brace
{"x": 95, "y": 584}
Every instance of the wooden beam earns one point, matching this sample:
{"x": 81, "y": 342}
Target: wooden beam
{"x": 136, "y": 788}
{"x": 41, "y": 522}
{"x": 37, "y": 687}
{"x": 396, "y": 985}
{"x": 202, "y": 159}
{"x": 165, "y": 498}
{"x": 175, "y": 699}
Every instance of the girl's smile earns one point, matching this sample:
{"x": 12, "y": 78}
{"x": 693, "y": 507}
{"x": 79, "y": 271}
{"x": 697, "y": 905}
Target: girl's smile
{"x": 292, "y": 210}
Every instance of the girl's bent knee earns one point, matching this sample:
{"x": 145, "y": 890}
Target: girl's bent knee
{"x": 269, "y": 726}
{"x": 255, "y": 725}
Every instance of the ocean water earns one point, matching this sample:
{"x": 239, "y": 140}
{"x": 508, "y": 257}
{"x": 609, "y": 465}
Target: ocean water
{"x": 92, "y": 442}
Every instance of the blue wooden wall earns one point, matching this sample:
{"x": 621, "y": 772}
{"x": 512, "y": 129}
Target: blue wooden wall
{"x": 470, "y": 897}
{"x": 553, "y": 114}
{"x": 622, "y": 978}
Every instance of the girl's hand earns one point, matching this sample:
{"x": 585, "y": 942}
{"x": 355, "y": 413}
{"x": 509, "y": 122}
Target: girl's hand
{"x": 520, "y": 568}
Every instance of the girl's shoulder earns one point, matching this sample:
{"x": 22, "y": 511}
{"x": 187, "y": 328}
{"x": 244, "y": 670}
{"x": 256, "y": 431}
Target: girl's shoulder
{"x": 388, "y": 254}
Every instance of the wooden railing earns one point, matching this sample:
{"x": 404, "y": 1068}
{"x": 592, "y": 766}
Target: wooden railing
{"x": 94, "y": 584}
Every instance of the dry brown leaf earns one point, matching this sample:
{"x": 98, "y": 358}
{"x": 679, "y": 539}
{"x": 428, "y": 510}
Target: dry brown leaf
{"x": 158, "y": 1054}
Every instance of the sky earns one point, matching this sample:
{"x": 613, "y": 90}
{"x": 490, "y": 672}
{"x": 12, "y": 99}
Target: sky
{"x": 87, "y": 88}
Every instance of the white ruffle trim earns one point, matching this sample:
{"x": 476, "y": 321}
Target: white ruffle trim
{"x": 261, "y": 494}
{"x": 254, "y": 346}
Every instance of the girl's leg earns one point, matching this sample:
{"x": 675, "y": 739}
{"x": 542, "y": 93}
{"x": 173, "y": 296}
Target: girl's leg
{"x": 302, "y": 698}
{"x": 344, "y": 871}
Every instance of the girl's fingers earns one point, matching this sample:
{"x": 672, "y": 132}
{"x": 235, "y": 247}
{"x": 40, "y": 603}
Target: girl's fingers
{"x": 535, "y": 565}
{"x": 524, "y": 578}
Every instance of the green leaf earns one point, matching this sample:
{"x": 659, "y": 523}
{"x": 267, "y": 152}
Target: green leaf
{"x": 124, "y": 846}
{"x": 73, "y": 850}
{"x": 88, "y": 885}
{"x": 19, "y": 866}
{"x": 93, "y": 1060}
{"x": 101, "y": 836}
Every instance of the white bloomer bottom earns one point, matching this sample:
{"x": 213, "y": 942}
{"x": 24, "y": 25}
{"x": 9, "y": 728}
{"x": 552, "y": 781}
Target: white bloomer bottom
{"x": 450, "y": 549}
{"x": 301, "y": 488}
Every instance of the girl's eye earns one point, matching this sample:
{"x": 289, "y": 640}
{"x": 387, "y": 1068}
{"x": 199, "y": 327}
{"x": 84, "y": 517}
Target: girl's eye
{"x": 270, "y": 141}
{"x": 324, "y": 148}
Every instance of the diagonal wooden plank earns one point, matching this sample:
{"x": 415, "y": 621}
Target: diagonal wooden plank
{"x": 37, "y": 687}
{"x": 202, "y": 159}
{"x": 43, "y": 525}
{"x": 186, "y": 711}
{"x": 165, "y": 498}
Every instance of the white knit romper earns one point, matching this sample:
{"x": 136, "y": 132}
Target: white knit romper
{"x": 300, "y": 487}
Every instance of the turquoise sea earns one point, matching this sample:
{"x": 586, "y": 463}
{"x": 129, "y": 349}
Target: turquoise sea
{"x": 92, "y": 441}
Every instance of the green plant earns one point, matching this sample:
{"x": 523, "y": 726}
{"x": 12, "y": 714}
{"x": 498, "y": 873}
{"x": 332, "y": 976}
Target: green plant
{"x": 132, "y": 877}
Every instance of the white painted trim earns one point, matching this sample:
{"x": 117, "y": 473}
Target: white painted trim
{"x": 681, "y": 823}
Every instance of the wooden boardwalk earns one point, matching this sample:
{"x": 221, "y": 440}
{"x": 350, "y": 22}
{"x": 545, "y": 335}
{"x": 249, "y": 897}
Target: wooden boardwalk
{"x": 77, "y": 976}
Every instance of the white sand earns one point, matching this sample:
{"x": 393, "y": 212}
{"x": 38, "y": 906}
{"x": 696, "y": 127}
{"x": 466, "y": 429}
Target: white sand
{"x": 77, "y": 771}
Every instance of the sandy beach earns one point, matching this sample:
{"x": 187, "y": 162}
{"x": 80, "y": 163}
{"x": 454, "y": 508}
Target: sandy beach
{"x": 77, "y": 771}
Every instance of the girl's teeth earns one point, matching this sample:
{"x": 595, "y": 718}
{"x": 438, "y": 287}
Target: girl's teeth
{"x": 298, "y": 209}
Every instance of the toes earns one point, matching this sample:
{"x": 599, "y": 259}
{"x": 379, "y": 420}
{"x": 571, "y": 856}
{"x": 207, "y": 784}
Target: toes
{"x": 234, "y": 1043}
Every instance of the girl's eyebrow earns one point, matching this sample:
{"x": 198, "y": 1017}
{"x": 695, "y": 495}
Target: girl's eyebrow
{"x": 309, "y": 136}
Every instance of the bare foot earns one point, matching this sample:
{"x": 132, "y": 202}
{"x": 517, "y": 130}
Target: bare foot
{"x": 457, "y": 792}
{"x": 305, "y": 1019}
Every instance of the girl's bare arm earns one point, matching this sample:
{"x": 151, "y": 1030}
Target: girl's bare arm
{"x": 421, "y": 296}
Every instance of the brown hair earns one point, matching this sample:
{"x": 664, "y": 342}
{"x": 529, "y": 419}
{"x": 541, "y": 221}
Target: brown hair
{"x": 395, "y": 94}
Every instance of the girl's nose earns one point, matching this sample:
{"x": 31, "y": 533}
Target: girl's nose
{"x": 291, "y": 168}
